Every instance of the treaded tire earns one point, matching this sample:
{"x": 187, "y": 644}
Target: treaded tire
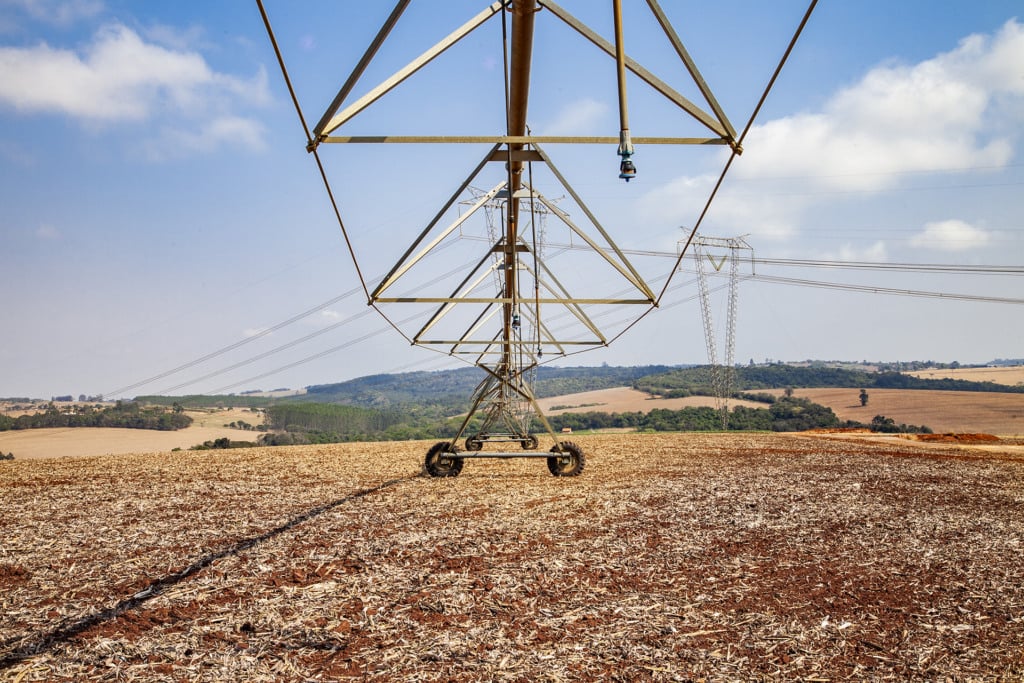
{"x": 569, "y": 461}
{"x": 530, "y": 444}
{"x": 474, "y": 443}
{"x": 438, "y": 464}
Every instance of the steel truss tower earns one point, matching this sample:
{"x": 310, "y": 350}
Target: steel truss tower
{"x": 708, "y": 250}
{"x": 498, "y": 313}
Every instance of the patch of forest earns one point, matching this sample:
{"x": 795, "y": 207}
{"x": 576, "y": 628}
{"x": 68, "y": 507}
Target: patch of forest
{"x": 454, "y": 387}
{"x": 696, "y": 381}
{"x": 326, "y": 423}
{"x": 126, "y": 414}
{"x": 209, "y": 401}
{"x": 444, "y": 391}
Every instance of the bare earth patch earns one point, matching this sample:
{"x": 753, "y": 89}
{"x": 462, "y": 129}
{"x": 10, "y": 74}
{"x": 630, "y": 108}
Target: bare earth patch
{"x": 625, "y": 400}
{"x": 944, "y": 411}
{"x": 30, "y": 444}
{"x": 673, "y": 557}
{"x": 1011, "y": 376}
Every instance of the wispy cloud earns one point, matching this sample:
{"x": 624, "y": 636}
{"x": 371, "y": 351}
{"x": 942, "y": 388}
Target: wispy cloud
{"x": 951, "y": 235}
{"x": 58, "y": 12}
{"x": 224, "y": 131}
{"x": 576, "y": 118}
{"x": 120, "y": 77}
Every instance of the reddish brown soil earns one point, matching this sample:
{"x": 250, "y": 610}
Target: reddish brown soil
{"x": 673, "y": 557}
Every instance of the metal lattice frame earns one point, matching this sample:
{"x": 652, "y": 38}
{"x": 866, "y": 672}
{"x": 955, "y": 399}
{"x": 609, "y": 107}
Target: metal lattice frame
{"x": 526, "y": 286}
{"x": 704, "y": 248}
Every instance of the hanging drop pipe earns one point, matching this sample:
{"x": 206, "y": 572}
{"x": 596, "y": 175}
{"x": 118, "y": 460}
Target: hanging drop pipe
{"x": 627, "y": 170}
{"x": 520, "y": 61}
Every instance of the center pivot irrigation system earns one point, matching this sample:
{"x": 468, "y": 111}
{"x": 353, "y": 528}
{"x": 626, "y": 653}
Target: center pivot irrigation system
{"x": 509, "y": 309}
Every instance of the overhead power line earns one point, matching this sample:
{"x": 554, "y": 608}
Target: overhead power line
{"x": 872, "y": 289}
{"x": 231, "y": 347}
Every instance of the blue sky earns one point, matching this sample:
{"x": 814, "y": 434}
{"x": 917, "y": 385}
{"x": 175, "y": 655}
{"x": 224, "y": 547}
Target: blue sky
{"x": 159, "y": 206}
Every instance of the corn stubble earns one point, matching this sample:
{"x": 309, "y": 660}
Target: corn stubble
{"x": 672, "y": 557}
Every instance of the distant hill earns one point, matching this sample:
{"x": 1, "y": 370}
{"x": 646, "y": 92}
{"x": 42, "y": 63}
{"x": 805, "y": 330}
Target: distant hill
{"x": 448, "y": 390}
{"x": 697, "y": 381}
{"x": 453, "y": 387}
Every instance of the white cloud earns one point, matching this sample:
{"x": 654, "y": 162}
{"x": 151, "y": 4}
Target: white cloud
{"x": 174, "y": 143}
{"x": 58, "y": 12}
{"x": 175, "y": 38}
{"x": 121, "y": 78}
{"x": 898, "y": 118}
{"x": 960, "y": 109}
{"x": 874, "y": 253}
{"x": 772, "y": 217}
{"x": 576, "y": 118}
{"x": 331, "y": 316}
{"x": 951, "y": 235}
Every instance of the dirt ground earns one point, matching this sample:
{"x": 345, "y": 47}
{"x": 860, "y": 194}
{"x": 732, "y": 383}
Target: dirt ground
{"x": 671, "y": 558}
{"x": 625, "y": 399}
{"x": 31, "y": 444}
{"x": 942, "y": 411}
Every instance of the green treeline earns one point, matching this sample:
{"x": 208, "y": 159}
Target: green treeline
{"x": 697, "y": 381}
{"x": 325, "y": 423}
{"x": 450, "y": 388}
{"x": 125, "y": 414}
{"x": 211, "y": 401}
{"x": 785, "y": 415}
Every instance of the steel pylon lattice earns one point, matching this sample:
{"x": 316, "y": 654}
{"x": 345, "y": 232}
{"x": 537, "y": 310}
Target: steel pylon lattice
{"x": 709, "y": 250}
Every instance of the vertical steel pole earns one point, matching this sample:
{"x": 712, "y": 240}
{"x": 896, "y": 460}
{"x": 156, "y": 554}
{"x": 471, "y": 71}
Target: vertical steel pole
{"x": 523, "y": 12}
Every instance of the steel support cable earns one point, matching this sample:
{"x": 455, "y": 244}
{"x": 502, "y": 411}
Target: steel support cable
{"x": 312, "y": 148}
{"x": 746, "y": 278}
{"x": 616, "y": 308}
{"x": 316, "y": 356}
{"x": 242, "y": 342}
{"x": 736, "y": 148}
{"x": 235, "y": 345}
{"x": 663, "y": 308}
{"x": 296, "y": 342}
{"x": 980, "y": 269}
{"x": 901, "y": 267}
{"x": 265, "y": 354}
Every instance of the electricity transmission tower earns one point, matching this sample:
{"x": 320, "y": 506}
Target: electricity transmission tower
{"x": 717, "y": 251}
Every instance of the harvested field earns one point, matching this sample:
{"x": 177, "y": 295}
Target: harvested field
{"x": 944, "y": 411}
{"x": 626, "y": 400}
{"x": 208, "y": 425}
{"x": 673, "y": 557}
{"x": 1010, "y": 376}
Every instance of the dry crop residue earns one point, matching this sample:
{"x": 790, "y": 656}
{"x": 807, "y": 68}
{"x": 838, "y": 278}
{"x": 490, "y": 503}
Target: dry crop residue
{"x": 673, "y": 557}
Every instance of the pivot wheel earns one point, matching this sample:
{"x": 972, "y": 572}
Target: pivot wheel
{"x": 439, "y": 462}
{"x": 568, "y": 460}
{"x": 530, "y": 443}
{"x": 474, "y": 443}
